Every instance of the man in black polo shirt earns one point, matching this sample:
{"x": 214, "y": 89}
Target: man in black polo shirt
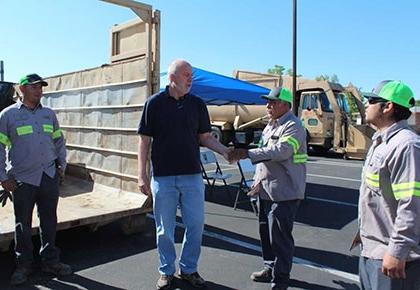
{"x": 175, "y": 123}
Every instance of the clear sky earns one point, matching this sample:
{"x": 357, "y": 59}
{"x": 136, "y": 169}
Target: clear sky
{"x": 361, "y": 41}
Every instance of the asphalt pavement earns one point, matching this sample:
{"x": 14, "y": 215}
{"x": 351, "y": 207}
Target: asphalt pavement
{"x": 325, "y": 224}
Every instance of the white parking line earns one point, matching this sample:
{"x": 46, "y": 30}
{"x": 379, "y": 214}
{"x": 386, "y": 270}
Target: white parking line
{"x": 336, "y": 163}
{"x": 299, "y": 261}
{"x": 333, "y": 177}
{"x": 332, "y": 201}
{"x": 312, "y": 175}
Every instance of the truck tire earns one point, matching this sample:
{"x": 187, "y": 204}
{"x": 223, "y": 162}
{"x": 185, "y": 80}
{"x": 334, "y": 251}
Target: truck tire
{"x": 133, "y": 224}
{"x": 217, "y": 133}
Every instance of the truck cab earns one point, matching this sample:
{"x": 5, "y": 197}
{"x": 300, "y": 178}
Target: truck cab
{"x": 317, "y": 116}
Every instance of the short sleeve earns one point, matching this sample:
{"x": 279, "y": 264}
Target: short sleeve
{"x": 146, "y": 120}
{"x": 204, "y": 119}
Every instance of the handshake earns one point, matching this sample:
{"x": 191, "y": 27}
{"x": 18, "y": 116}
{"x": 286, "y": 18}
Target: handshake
{"x": 232, "y": 154}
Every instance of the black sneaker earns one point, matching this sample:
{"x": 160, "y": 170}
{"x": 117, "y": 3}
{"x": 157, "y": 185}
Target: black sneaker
{"x": 20, "y": 275}
{"x": 58, "y": 269}
{"x": 265, "y": 275}
{"x": 194, "y": 279}
{"x": 164, "y": 282}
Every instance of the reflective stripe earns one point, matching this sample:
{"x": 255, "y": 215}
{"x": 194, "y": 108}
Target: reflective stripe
{"x": 48, "y": 128}
{"x": 56, "y": 134}
{"x": 300, "y": 158}
{"x": 24, "y": 130}
{"x": 5, "y": 140}
{"x": 372, "y": 179}
{"x": 406, "y": 189}
{"x": 292, "y": 142}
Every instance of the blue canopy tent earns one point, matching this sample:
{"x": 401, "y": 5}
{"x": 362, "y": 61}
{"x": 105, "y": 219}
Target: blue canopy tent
{"x": 216, "y": 89}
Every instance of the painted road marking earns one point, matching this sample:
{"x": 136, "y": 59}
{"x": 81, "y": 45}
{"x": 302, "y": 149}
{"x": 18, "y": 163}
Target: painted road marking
{"x": 299, "y": 261}
{"x": 332, "y": 201}
{"x": 336, "y": 163}
{"x": 333, "y": 177}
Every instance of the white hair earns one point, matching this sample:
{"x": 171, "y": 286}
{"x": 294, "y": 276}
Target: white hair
{"x": 175, "y": 65}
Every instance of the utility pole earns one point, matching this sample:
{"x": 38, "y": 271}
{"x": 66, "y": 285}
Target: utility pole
{"x": 1, "y": 71}
{"x": 295, "y": 102}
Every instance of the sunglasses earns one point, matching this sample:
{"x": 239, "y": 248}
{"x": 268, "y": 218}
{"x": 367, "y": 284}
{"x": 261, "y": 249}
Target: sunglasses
{"x": 372, "y": 101}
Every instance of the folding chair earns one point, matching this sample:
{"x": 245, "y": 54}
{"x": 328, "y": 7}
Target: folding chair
{"x": 208, "y": 158}
{"x": 246, "y": 168}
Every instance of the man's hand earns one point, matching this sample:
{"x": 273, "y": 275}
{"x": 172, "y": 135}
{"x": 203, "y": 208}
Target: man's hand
{"x": 60, "y": 173}
{"x": 393, "y": 267}
{"x": 9, "y": 185}
{"x": 255, "y": 190}
{"x": 144, "y": 185}
{"x": 233, "y": 155}
{"x": 227, "y": 154}
{"x": 4, "y": 195}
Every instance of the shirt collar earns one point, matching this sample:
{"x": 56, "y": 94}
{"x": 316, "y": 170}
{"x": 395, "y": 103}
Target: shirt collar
{"x": 280, "y": 120}
{"x": 389, "y": 132}
{"x": 20, "y": 104}
{"x": 169, "y": 95}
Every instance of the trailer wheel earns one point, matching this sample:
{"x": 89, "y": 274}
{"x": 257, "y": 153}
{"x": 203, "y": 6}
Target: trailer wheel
{"x": 133, "y": 224}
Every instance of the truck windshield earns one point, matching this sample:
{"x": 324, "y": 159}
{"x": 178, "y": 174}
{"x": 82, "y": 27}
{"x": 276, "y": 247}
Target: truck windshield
{"x": 310, "y": 101}
{"x": 325, "y": 103}
{"x": 342, "y": 102}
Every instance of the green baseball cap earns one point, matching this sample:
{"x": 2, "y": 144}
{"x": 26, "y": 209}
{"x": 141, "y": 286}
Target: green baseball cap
{"x": 394, "y": 91}
{"x": 279, "y": 94}
{"x": 31, "y": 79}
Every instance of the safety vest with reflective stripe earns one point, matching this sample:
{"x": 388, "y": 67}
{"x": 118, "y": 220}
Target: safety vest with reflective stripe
{"x": 27, "y": 129}
{"x": 389, "y": 204}
{"x": 297, "y": 158}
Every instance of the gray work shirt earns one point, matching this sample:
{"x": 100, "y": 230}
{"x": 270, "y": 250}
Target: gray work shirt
{"x": 389, "y": 203}
{"x": 32, "y": 142}
{"x": 281, "y": 160}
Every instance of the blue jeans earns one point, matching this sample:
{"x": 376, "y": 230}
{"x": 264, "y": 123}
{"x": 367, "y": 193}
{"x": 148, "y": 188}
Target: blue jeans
{"x": 372, "y": 278}
{"x": 187, "y": 191}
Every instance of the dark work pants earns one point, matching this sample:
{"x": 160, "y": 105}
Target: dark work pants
{"x": 45, "y": 197}
{"x": 276, "y": 225}
{"x": 372, "y": 278}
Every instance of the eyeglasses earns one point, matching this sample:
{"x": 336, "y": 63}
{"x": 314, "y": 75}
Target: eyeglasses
{"x": 372, "y": 101}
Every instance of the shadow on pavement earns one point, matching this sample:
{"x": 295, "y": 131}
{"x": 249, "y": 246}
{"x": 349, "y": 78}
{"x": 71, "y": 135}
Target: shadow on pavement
{"x": 311, "y": 212}
{"x": 179, "y": 284}
{"x": 77, "y": 244}
{"x": 311, "y": 286}
{"x": 333, "y": 260}
{"x": 83, "y": 249}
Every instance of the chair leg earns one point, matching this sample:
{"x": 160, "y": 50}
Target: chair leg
{"x": 254, "y": 206}
{"x": 236, "y": 199}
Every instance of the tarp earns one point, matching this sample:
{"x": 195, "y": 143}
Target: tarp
{"x": 216, "y": 89}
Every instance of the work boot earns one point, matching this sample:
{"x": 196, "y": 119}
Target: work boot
{"x": 58, "y": 269}
{"x": 265, "y": 275}
{"x": 20, "y": 275}
{"x": 194, "y": 279}
{"x": 164, "y": 282}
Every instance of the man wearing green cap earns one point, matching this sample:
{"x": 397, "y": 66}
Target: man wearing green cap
{"x": 389, "y": 203}
{"x": 279, "y": 182}
{"x": 31, "y": 139}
